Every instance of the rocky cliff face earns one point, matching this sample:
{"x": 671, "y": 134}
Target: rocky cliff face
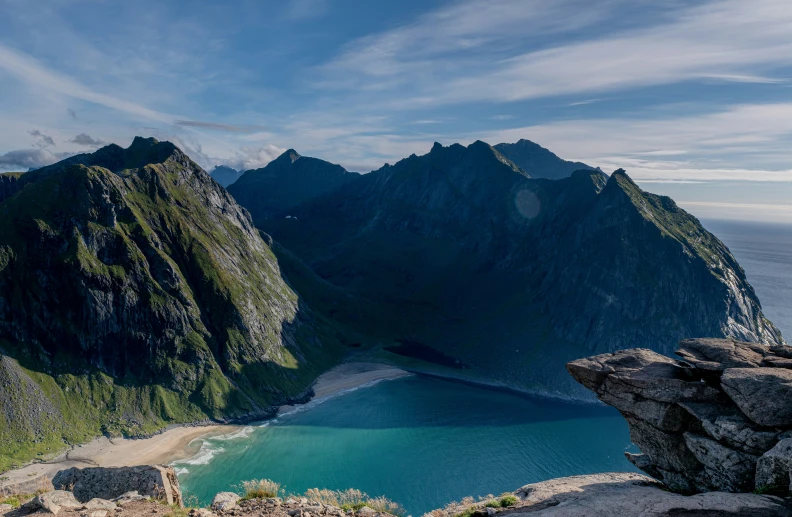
{"x": 135, "y": 292}
{"x": 539, "y": 162}
{"x": 718, "y": 420}
{"x": 461, "y": 251}
{"x": 286, "y": 182}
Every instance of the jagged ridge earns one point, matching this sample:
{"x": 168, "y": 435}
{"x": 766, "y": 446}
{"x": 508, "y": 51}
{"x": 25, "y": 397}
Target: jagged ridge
{"x": 459, "y": 249}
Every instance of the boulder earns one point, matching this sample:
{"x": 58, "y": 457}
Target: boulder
{"x": 202, "y": 512}
{"x": 157, "y": 481}
{"x": 130, "y": 497}
{"x": 762, "y": 393}
{"x": 99, "y": 504}
{"x": 774, "y": 468}
{"x": 628, "y": 494}
{"x": 55, "y": 501}
{"x": 225, "y": 501}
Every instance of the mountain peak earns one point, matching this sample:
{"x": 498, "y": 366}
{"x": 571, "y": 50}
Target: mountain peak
{"x": 289, "y": 156}
{"x": 537, "y": 161}
{"x": 143, "y": 142}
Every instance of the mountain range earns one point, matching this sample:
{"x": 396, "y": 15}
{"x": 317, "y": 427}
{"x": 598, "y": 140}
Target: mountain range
{"x": 136, "y": 292}
{"x": 462, "y": 252}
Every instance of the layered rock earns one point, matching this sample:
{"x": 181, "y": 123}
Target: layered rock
{"x": 718, "y": 420}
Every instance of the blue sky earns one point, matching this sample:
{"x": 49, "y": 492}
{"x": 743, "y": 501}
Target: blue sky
{"x": 693, "y": 99}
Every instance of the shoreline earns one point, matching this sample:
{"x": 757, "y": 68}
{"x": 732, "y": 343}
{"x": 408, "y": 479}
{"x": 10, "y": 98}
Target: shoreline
{"x": 183, "y": 441}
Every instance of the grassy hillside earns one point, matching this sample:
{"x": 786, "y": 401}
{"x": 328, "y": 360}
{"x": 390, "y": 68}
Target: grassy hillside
{"x": 140, "y": 296}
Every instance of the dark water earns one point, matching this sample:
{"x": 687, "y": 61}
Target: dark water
{"x": 765, "y": 253}
{"x": 420, "y": 441}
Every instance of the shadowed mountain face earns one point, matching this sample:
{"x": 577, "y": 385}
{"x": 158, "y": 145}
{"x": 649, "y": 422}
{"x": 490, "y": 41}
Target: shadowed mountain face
{"x": 135, "y": 292}
{"x": 462, "y": 251}
{"x": 224, "y": 175}
{"x": 539, "y": 162}
{"x": 286, "y": 182}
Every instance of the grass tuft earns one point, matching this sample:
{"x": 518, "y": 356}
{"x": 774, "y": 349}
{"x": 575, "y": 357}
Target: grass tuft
{"x": 260, "y": 489}
{"x": 353, "y": 499}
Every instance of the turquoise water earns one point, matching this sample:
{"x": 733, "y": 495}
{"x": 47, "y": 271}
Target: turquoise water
{"x": 420, "y": 441}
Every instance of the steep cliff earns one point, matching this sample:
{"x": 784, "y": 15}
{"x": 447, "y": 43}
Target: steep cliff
{"x": 135, "y": 292}
{"x": 461, "y": 251}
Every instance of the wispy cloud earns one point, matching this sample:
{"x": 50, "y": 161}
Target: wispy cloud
{"x": 42, "y": 141}
{"x": 723, "y": 40}
{"x": 23, "y": 159}
{"x": 695, "y": 147}
{"x": 215, "y": 126}
{"x": 29, "y": 70}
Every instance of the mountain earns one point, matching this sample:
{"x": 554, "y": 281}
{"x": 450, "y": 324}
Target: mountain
{"x": 539, "y": 162}
{"x": 224, "y": 175}
{"x": 135, "y": 293}
{"x": 286, "y": 182}
{"x": 459, "y": 258}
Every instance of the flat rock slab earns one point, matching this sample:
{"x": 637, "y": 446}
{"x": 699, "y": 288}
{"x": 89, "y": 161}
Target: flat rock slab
{"x": 763, "y": 394}
{"x": 718, "y": 354}
{"x": 634, "y": 495}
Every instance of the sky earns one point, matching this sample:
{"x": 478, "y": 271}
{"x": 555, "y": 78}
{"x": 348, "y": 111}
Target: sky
{"x": 693, "y": 99}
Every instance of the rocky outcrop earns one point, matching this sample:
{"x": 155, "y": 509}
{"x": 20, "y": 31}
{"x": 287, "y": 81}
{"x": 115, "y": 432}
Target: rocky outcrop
{"x": 623, "y": 495}
{"x": 156, "y": 481}
{"x": 719, "y": 420}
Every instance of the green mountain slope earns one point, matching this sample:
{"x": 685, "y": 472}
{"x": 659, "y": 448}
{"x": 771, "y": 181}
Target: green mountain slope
{"x": 135, "y": 293}
{"x": 460, "y": 251}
